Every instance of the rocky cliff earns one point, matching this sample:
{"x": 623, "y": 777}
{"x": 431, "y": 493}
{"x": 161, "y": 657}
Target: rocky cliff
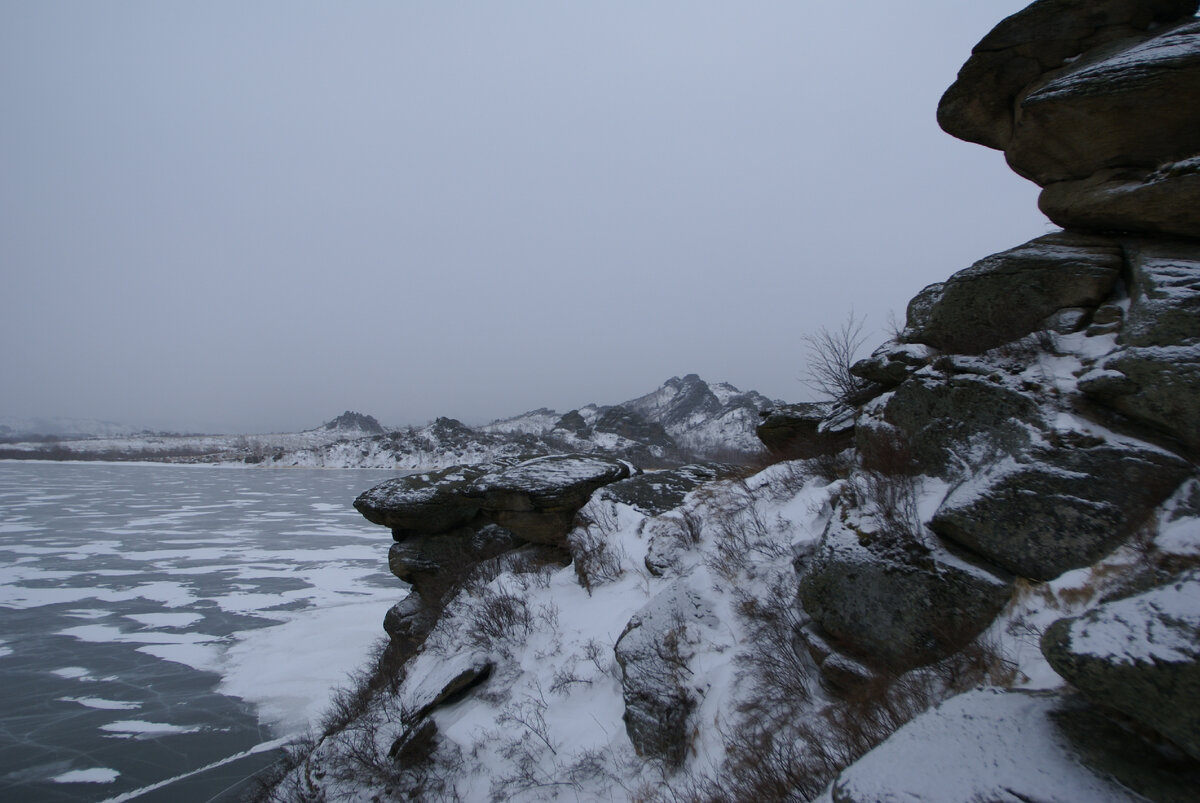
{"x": 980, "y": 579}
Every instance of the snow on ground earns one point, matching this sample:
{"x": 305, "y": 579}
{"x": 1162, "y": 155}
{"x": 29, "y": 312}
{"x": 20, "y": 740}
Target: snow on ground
{"x": 982, "y": 745}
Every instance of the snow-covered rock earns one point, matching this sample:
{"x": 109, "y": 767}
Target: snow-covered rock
{"x": 1139, "y": 655}
{"x": 1058, "y": 509}
{"x": 1010, "y": 294}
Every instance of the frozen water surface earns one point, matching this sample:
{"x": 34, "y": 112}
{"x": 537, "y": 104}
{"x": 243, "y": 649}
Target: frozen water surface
{"x": 162, "y": 628}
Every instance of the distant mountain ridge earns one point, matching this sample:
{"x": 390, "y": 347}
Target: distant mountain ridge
{"x": 682, "y": 420}
{"x": 685, "y": 414}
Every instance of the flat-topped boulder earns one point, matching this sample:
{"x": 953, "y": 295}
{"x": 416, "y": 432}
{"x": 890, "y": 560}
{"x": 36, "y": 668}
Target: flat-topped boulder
{"x": 801, "y": 430}
{"x": 425, "y": 503}
{"x": 537, "y": 500}
{"x": 1139, "y": 655}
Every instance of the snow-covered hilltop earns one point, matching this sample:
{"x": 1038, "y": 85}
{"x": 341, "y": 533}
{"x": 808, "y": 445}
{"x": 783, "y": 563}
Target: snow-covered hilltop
{"x": 686, "y": 416}
{"x": 981, "y": 582}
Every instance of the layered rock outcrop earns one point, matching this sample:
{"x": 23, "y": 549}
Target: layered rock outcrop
{"x": 1058, "y": 403}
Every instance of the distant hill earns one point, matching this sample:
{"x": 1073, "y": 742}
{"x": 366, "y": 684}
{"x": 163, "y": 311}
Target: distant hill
{"x": 350, "y": 421}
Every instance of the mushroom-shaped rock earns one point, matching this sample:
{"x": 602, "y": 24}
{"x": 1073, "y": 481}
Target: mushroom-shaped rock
{"x": 431, "y": 502}
{"x": 1008, "y": 295}
{"x": 1058, "y": 509}
{"x": 1139, "y": 655}
{"x": 537, "y": 500}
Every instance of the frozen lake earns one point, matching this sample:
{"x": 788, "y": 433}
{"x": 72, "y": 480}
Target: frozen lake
{"x": 156, "y": 620}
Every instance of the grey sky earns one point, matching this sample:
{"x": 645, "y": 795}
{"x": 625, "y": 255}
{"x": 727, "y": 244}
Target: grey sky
{"x": 251, "y": 216}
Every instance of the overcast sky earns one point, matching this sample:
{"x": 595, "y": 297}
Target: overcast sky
{"x": 250, "y": 216}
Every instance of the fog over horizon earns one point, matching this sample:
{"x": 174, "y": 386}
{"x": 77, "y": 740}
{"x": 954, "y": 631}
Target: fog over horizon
{"x": 249, "y": 217}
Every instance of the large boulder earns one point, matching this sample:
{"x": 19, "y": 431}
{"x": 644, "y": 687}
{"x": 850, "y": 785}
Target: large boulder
{"x": 1058, "y": 509}
{"x": 1098, "y": 102}
{"x": 653, "y": 653}
{"x": 896, "y": 605}
{"x": 980, "y": 105}
{"x": 795, "y": 431}
{"x": 537, "y": 500}
{"x": 1156, "y": 386}
{"x": 1140, "y": 656}
{"x": 1008, "y": 295}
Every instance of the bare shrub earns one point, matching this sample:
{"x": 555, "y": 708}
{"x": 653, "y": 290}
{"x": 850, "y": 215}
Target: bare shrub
{"x": 831, "y": 353}
{"x": 776, "y": 665}
{"x": 497, "y": 616}
{"x": 565, "y": 677}
{"x": 596, "y": 559}
{"x": 594, "y": 651}
{"x": 740, "y": 534}
{"x": 381, "y": 673}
